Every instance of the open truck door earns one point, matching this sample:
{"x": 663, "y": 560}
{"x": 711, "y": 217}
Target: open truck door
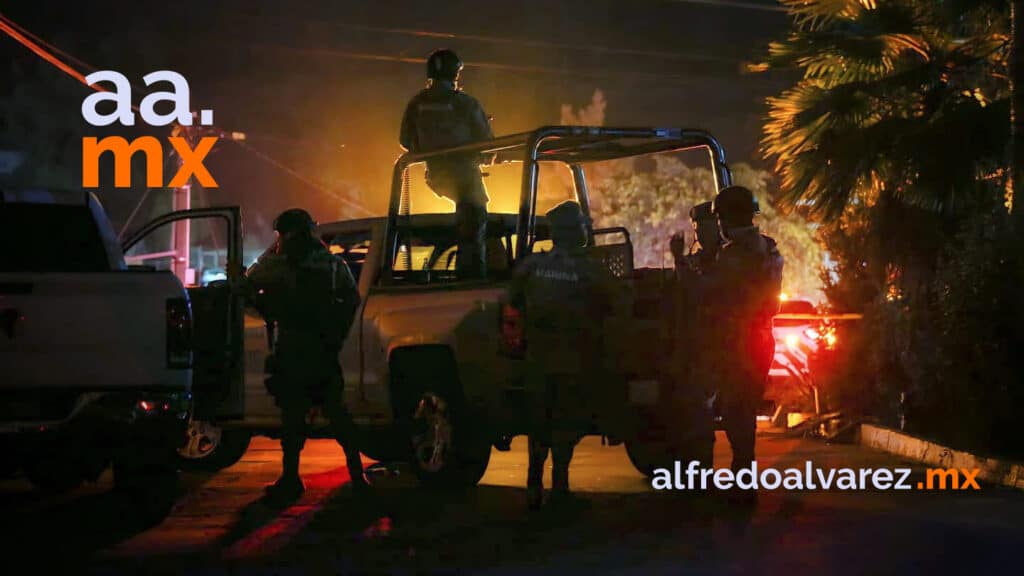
{"x": 213, "y": 265}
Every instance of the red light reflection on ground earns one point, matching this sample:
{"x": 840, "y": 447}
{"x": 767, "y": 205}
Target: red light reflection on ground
{"x": 274, "y": 535}
{"x": 379, "y": 529}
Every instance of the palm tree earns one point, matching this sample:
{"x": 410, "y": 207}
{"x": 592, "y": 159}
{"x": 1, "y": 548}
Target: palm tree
{"x": 896, "y": 137}
{"x": 905, "y": 99}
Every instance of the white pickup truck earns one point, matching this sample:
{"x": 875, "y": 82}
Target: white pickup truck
{"x": 96, "y": 357}
{"x": 433, "y": 373}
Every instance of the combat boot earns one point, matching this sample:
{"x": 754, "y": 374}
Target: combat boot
{"x": 534, "y": 496}
{"x": 357, "y": 477}
{"x": 560, "y": 481}
{"x": 285, "y": 491}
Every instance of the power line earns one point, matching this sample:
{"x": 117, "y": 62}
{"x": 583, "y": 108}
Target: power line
{"x": 42, "y": 53}
{"x": 735, "y": 4}
{"x": 522, "y": 42}
{"x": 51, "y": 47}
{"x": 689, "y": 80}
{"x": 22, "y": 36}
{"x": 295, "y": 174}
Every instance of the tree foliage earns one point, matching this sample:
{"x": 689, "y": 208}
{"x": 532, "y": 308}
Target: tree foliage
{"x": 653, "y": 200}
{"x": 655, "y": 204}
{"x": 895, "y": 139}
{"x": 882, "y": 84}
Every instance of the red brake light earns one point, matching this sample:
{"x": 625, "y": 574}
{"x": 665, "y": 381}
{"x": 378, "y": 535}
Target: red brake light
{"x": 179, "y": 333}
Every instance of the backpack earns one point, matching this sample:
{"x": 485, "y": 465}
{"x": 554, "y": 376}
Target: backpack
{"x": 318, "y": 305}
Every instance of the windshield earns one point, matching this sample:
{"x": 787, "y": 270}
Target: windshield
{"x": 50, "y": 238}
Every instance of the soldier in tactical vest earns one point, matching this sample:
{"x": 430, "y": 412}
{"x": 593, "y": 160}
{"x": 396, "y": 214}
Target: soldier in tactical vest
{"x": 563, "y": 296}
{"x": 695, "y": 381}
{"x": 443, "y": 116}
{"x": 311, "y": 296}
{"x": 743, "y": 300}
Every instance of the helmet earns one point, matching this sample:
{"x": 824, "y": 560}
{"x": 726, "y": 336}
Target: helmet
{"x": 443, "y": 65}
{"x": 294, "y": 220}
{"x": 702, "y": 211}
{"x": 568, "y": 224}
{"x": 567, "y": 215}
{"x": 735, "y": 203}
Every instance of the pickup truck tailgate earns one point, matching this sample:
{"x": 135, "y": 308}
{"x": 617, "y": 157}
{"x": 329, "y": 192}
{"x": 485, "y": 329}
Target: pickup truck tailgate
{"x": 91, "y": 331}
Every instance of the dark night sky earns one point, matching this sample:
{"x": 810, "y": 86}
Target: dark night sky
{"x": 303, "y": 78}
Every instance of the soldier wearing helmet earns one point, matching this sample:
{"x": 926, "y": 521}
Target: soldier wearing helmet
{"x": 695, "y": 383}
{"x": 563, "y": 296}
{"x": 443, "y": 116}
{"x": 745, "y": 297}
{"x": 312, "y": 297}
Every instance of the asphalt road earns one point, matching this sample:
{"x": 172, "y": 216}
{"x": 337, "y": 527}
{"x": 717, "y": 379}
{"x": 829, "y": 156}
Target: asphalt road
{"x": 219, "y": 525}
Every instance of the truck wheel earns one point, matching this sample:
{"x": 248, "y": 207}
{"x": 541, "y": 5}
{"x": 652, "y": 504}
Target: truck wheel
{"x": 446, "y": 452}
{"x": 55, "y": 474}
{"x": 649, "y": 455}
{"x": 8, "y": 469}
{"x": 150, "y": 483}
{"x": 210, "y": 448}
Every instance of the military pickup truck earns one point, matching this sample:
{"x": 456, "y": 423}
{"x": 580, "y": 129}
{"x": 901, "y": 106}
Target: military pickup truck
{"x": 96, "y": 363}
{"x": 433, "y": 365}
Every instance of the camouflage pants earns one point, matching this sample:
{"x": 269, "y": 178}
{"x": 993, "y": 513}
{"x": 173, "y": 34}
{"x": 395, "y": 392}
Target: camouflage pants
{"x": 740, "y": 391}
{"x": 306, "y": 379}
{"x": 560, "y": 413}
{"x": 471, "y": 233}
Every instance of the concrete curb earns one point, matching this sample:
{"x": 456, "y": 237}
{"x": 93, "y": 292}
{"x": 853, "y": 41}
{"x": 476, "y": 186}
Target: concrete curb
{"x": 895, "y": 442}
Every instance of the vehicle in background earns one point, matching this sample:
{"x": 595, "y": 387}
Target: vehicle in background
{"x": 433, "y": 365}
{"x": 802, "y": 336}
{"x": 97, "y": 356}
{"x": 796, "y": 336}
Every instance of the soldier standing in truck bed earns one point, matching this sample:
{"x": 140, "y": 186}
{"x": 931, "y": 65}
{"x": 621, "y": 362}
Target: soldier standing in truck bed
{"x": 443, "y": 116}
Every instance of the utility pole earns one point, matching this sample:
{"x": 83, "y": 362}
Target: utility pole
{"x": 182, "y": 200}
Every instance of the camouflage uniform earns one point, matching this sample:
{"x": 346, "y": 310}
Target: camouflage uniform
{"x": 313, "y": 302}
{"x": 442, "y": 116}
{"x": 744, "y": 297}
{"x": 564, "y": 296}
{"x": 695, "y": 379}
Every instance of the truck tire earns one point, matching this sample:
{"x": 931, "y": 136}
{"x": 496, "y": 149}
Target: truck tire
{"x": 443, "y": 443}
{"x": 445, "y": 453}
{"x": 10, "y": 459}
{"x": 55, "y": 475}
{"x": 662, "y": 440}
{"x": 59, "y": 462}
{"x": 150, "y": 483}
{"x": 9, "y": 468}
{"x": 210, "y": 448}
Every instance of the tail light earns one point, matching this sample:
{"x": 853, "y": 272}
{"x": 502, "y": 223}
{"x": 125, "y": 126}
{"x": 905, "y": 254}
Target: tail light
{"x": 513, "y": 342}
{"x": 792, "y": 341}
{"x": 179, "y": 333}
